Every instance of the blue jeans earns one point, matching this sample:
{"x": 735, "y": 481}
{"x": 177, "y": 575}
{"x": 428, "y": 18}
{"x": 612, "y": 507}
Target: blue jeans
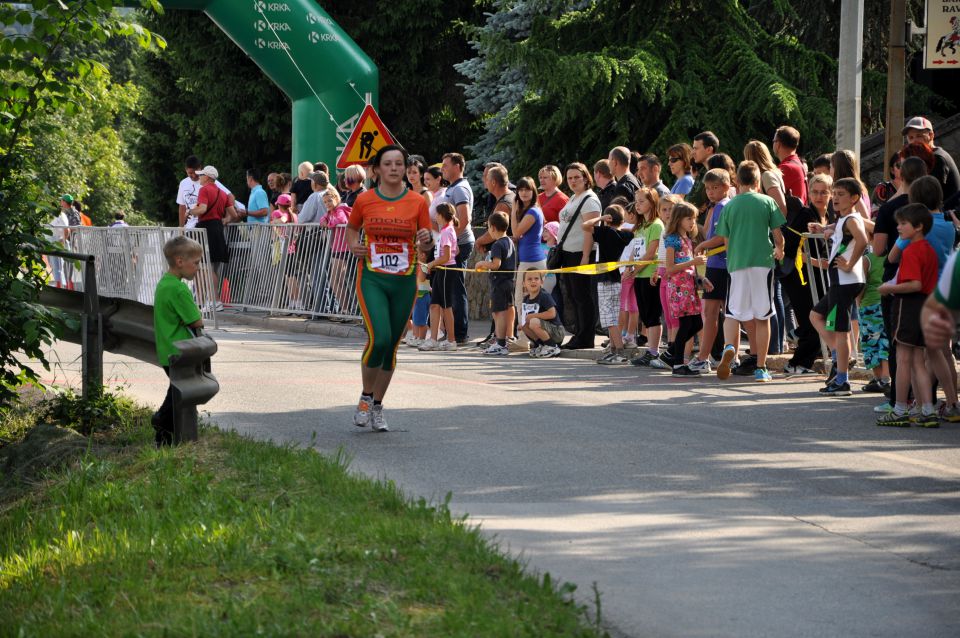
{"x": 461, "y": 309}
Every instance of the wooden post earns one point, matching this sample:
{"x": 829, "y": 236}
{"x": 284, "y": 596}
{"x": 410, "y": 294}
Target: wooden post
{"x": 896, "y": 81}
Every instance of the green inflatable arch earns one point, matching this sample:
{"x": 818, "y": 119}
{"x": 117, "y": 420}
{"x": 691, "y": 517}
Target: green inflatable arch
{"x": 320, "y": 68}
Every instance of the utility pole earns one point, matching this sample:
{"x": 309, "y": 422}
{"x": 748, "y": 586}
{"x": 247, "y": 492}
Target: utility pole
{"x": 850, "y": 76}
{"x": 896, "y": 81}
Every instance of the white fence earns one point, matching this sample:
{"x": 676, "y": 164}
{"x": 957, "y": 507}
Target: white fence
{"x": 301, "y": 269}
{"x": 129, "y": 262}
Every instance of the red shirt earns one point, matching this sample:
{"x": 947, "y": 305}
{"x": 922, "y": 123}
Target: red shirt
{"x": 390, "y": 229}
{"x": 215, "y": 199}
{"x": 551, "y": 206}
{"x": 794, "y": 177}
{"x": 919, "y": 263}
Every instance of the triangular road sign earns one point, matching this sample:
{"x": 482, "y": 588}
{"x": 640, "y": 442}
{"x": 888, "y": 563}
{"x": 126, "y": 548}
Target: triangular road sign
{"x": 368, "y": 135}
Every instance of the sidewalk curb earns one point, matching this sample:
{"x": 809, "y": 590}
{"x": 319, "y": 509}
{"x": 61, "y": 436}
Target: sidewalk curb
{"x": 294, "y": 325}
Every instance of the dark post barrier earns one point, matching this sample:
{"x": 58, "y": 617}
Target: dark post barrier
{"x": 193, "y": 384}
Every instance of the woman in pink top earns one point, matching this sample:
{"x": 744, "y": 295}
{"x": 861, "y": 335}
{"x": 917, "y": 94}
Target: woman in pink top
{"x": 282, "y": 216}
{"x": 335, "y": 219}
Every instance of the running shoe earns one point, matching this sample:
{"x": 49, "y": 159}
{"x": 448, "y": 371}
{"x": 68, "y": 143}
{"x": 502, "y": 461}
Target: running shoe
{"x": 883, "y": 408}
{"x": 362, "y": 415}
{"x": 836, "y": 390}
{"x": 726, "y": 359}
{"x": 761, "y": 375}
{"x": 876, "y": 386}
{"x": 950, "y": 414}
{"x": 659, "y": 364}
{"x": 548, "y": 352}
{"x": 699, "y": 366}
{"x": 927, "y": 420}
{"x": 377, "y": 422}
{"x": 428, "y": 345}
{"x": 497, "y": 350}
{"x": 612, "y": 359}
{"x": 893, "y": 420}
{"x": 412, "y": 341}
{"x": 447, "y": 346}
{"x": 832, "y": 374}
{"x": 535, "y": 351}
{"x": 644, "y": 359}
{"x": 795, "y": 369}
{"x": 747, "y": 367}
{"x": 685, "y": 371}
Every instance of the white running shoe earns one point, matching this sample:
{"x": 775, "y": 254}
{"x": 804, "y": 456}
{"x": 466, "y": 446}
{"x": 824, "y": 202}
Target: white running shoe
{"x": 377, "y": 422}
{"x": 428, "y": 345}
{"x": 447, "y": 346}
{"x": 548, "y": 352}
{"x": 535, "y": 351}
{"x": 362, "y": 415}
{"x": 497, "y": 350}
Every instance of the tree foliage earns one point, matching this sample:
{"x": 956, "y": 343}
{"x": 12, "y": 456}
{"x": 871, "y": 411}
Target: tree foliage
{"x": 47, "y": 83}
{"x": 555, "y": 85}
{"x": 205, "y": 97}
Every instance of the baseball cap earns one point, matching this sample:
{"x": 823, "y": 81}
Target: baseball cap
{"x": 67, "y": 198}
{"x": 284, "y": 200}
{"x": 919, "y": 123}
{"x": 209, "y": 171}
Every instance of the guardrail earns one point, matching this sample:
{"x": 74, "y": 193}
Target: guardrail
{"x": 302, "y": 269}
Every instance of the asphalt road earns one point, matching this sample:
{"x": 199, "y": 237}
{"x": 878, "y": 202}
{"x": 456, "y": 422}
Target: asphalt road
{"x": 698, "y": 508}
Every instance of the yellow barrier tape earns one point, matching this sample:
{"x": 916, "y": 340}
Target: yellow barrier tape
{"x": 587, "y": 269}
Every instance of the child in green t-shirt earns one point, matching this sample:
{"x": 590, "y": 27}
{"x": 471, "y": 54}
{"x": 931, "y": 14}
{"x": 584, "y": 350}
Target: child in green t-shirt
{"x": 175, "y": 313}
{"x": 874, "y": 343}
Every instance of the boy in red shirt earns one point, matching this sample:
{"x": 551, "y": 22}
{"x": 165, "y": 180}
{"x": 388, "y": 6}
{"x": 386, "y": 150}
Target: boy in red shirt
{"x": 916, "y": 278}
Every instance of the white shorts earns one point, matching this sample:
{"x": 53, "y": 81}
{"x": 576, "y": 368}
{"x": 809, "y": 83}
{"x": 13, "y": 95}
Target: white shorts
{"x": 608, "y": 300}
{"x": 750, "y": 295}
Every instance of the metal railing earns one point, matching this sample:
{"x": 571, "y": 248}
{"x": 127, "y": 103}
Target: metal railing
{"x": 299, "y": 269}
{"x": 815, "y": 248}
{"x": 129, "y": 262}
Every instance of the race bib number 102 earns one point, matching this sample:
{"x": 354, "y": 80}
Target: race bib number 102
{"x": 390, "y": 258}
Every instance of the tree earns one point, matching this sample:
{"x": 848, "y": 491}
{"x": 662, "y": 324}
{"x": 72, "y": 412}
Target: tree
{"x": 44, "y": 77}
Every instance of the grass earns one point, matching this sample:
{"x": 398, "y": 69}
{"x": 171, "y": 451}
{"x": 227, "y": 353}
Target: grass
{"x": 232, "y": 537}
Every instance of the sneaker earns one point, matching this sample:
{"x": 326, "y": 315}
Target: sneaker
{"x": 685, "y": 371}
{"x": 629, "y": 343}
{"x": 377, "y": 422}
{"x": 699, "y": 366}
{"x": 644, "y": 359}
{"x": 497, "y": 350}
{"x": 612, "y": 359}
{"x": 927, "y": 420}
{"x": 761, "y": 375}
{"x": 361, "y": 417}
{"x": 951, "y": 414}
{"x": 877, "y": 386}
{"x": 548, "y": 352}
{"x": 833, "y": 372}
{"x": 836, "y": 390}
{"x": 883, "y": 408}
{"x": 428, "y": 345}
{"x": 747, "y": 367}
{"x": 795, "y": 369}
{"x": 913, "y": 413}
{"x": 535, "y": 351}
{"x": 659, "y": 363}
{"x": 447, "y": 346}
{"x": 893, "y": 420}
{"x": 486, "y": 343}
{"x": 413, "y": 342}
{"x": 723, "y": 368}
{"x": 667, "y": 357}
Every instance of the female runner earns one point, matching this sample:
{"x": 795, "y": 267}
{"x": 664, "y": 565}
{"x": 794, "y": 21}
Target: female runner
{"x": 393, "y": 220}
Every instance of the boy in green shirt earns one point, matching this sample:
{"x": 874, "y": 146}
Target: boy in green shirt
{"x": 748, "y": 221}
{"x": 175, "y": 313}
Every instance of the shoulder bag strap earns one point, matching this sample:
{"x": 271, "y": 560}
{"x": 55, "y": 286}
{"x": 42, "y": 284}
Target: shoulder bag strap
{"x": 573, "y": 220}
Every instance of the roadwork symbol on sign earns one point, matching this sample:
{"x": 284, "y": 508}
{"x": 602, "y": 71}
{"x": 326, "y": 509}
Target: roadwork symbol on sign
{"x": 368, "y": 136}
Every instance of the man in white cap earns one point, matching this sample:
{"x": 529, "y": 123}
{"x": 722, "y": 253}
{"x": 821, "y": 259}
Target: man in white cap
{"x": 919, "y": 129}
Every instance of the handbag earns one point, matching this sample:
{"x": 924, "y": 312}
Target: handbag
{"x": 555, "y": 255}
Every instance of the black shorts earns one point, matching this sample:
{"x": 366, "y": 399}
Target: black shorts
{"x": 216, "y": 240}
{"x": 838, "y": 306}
{"x": 906, "y": 319}
{"x": 501, "y": 295}
{"x": 720, "y": 278}
{"x": 441, "y": 293}
{"x": 648, "y": 301}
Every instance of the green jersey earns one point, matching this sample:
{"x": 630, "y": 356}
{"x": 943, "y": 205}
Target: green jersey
{"x": 746, "y": 223}
{"x": 173, "y": 310}
{"x": 871, "y": 297}
{"x": 947, "y": 291}
{"x": 650, "y": 233}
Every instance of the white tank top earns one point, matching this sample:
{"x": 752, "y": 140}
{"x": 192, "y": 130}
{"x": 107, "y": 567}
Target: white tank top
{"x": 857, "y": 274}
